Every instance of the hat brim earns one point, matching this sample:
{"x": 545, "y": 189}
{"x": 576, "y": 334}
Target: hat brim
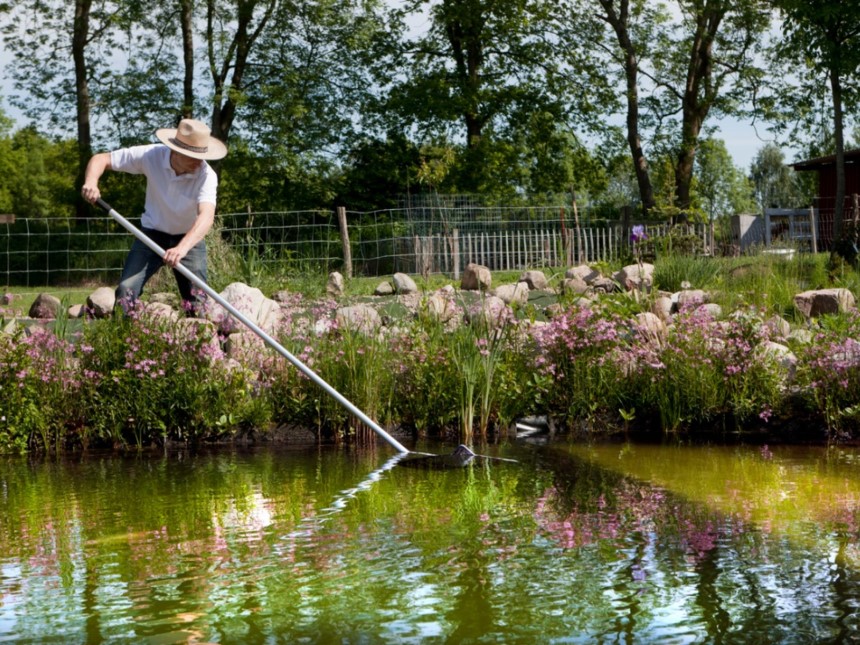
{"x": 215, "y": 149}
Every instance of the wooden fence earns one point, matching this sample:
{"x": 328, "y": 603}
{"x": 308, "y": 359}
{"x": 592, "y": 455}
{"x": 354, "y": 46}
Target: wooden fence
{"x": 519, "y": 250}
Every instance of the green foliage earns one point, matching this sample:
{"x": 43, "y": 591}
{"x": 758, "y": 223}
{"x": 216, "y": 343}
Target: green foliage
{"x": 720, "y": 187}
{"x": 141, "y": 380}
{"x": 829, "y": 373}
{"x": 149, "y": 379}
{"x": 776, "y": 184}
{"x": 672, "y": 270}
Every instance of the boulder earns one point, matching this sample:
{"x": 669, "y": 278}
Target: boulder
{"x": 45, "y": 307}
{"x": 636, "y": 276}
{"x": 476, "y": 277}
{"x": 662, "y": 308}
{"x": 513, "y": 293}
{"x": 77, "y": 311}
{"x": 781, "y": 355}
{"x": 334, "y": 286}
{"x": 362, "y": 318}
{"x": 491, "y": 311}
{"x": 690, "y": 298}
{"x": 824, "y": 301}
{"x": 101, "y": 302}
{"x": 383, "y": 289}
{"x": 161, "y": 310}
{"x": 535, "y": 280}
{"x": 574, "y": 285}
{"x": 404, "y": 284}
{"x": 249, "y": 301}
{"x": 582, "y": 272}
{"x": 441, "y": 305}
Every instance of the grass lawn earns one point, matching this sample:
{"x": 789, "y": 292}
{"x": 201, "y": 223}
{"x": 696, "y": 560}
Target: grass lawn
{"x": 24, "y": 296}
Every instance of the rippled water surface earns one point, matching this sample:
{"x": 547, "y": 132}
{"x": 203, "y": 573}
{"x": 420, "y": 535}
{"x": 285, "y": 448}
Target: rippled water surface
{"x": 574, "y": 544}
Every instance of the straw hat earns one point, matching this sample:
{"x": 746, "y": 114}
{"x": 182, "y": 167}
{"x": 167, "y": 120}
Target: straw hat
{"x": 192, "y": 139}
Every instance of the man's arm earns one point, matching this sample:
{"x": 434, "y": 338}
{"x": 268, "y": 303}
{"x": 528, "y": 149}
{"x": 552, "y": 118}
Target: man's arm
{"x": 95, "y": 169}
{"x": 204, "y": 221}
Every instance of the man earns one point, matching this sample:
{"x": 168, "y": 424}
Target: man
{"x": 181, "y": 191}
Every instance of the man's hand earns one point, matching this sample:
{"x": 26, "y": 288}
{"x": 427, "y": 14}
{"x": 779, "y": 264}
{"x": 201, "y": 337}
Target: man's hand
{"x": 172, "y": 257}
{"x": 91, "y": 193}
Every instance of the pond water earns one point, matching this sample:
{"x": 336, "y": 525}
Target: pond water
{"x": 573, "y": 544}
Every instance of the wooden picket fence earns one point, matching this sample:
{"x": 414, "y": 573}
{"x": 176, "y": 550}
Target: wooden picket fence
{"x": 519, "y": 250}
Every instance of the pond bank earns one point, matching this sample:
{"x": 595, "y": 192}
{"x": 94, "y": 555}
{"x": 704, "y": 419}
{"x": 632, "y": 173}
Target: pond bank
{"x": 436, "y": 364}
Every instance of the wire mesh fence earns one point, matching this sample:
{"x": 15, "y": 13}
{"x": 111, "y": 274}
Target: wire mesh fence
{"x": 416, "y": 240}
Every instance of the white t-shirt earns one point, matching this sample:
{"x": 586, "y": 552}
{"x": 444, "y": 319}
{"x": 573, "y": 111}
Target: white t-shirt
{"x": 171, "y": 199}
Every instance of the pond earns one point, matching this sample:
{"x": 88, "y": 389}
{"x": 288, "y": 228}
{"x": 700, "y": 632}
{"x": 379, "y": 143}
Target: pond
{"x": 575, "y": 543}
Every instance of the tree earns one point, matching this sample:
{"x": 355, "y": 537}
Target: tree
{"x": 231, "y": 33}
{"x": 721, "y": 187}
{"x": 823, "y": 38}
{"x": 617, "y": 15}
{"x": 477, "y": 77}
{"x": 91, "y": 59}
{"x": 686, "y": 66}
{"x": 775, "y": 183}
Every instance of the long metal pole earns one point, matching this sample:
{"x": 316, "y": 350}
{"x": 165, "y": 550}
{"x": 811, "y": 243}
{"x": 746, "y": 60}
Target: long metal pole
{"x": 370, "y": 423}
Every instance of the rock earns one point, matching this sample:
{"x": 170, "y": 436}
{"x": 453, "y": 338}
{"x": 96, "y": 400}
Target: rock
{"x": 77, "y": 311}
{"x": 636, "y": 276}
{"x": 45, "y": 307}
{"x": 802, "y": 336}
{"x": 334, "y": 287}
{"x": 651, "y": 326}
{"x": 491, "y": 311}
{"x": 161, "y": 310}
{"x": 101, "y": 302}
{"x": 714, "y": 310}
{"x": 513, "y": 293}
{"x": 604, "y": 285}
{"x": 824, "y": 301}
{"x": 383, "y": 289}
{"x": 363, "y": 318}
{"x": 662, "y": 307}
{"x": 575, "y": 286}
{"x": 249, "y": 301}
{"x": 779, "y": 354}
{"x": 476, "y": 277}
{"x": 246, "y": 348}
{"x": 404, "y": 284}
{"x": 691, "y": 298}
{"x": 778, "y": 326}
{"x": 171, "y": 299}
{"x": 582, "y": 272}
{"x": 441, "y": 306}
{"x": 535, "y": 280}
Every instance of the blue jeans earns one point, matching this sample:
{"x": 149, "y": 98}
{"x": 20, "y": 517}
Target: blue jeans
{"x": 142, "y": 263}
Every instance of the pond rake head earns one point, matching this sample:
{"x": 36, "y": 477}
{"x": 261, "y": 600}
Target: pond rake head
{"x": 271, "y": 342}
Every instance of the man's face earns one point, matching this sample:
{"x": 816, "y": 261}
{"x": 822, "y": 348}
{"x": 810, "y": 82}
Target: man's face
{"x": 182, "y": 164}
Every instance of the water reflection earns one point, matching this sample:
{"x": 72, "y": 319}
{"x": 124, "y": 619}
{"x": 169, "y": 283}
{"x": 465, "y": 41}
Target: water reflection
{"x": 574, "y": 543}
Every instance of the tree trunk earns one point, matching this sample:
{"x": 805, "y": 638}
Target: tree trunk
{"x": 468, "y": 53}
{"x": 619, "y": 22}
{"x": 697, "y": 98}
{"x": 236, "y": 59}
{"x": 80, "y": 36}
{"x": 186, "y": 12}
{"x": 838, "y": 135}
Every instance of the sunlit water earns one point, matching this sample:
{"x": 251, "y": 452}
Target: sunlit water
{"x": 614, "y": 543}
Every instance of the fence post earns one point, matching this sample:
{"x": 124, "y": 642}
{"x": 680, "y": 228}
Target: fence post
{"x": 455, "y": 252}
{"x": 813, "y": 229}
{"x": 344, "y": 240}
